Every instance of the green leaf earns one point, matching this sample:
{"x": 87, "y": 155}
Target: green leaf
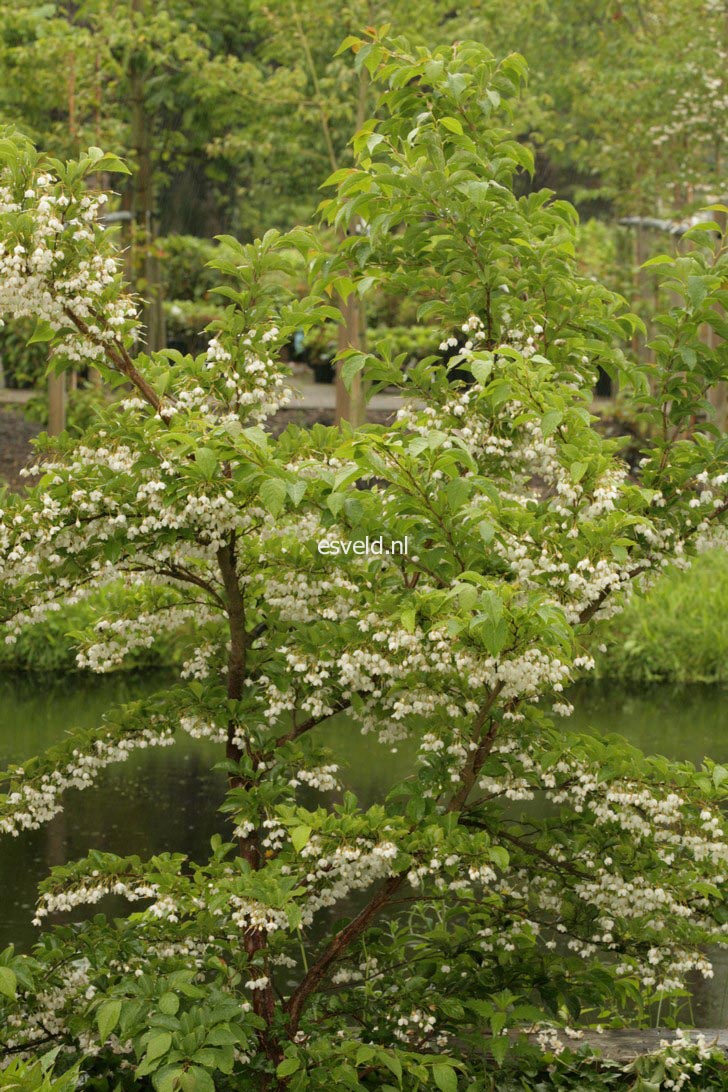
{"x": 467, "y": 596}
{"x": 351, "y": 367}
{"x": 720, "y": 774}
{"x": 8, "y": 982}
{"x": 457, "y": 492}
{"x": 43, "y": 332}
{"x": 495, "y": 637}
{"x": 697, "y": 291}
{"x": 169, "y": 1003}
{"x": 107, "y": 1018}
{"x": 288, "y": 1066}
{"x": 453, "y": 125}
{"x": 578, "y": 470}
{"x": 348, "y": 43}
{"x": 392, "y": 1063}
{"x": 345, "y": 285}
{"x": 296, "y": 492}
{"x": 273, "y": 494}
{"x": 206, "y": 460}
{"x": 106, "y": 161}
{"x": 499, "y": 856}
{"x": 408, "y": 618}
{"x": 168, "y": 1078}
{"x": 158, "y": 1045}
{"x": 481, "y": 370}
{"x": 335, "y": 502}
{"x": 551, "y": 421}
{"x": 445, "y": 1077}
{"x": 338, "y": 176}
{"x": 659, "y": 259}
{"x": 197, "y": 1080}
{"x": 499, "y": 1048}
{"x": 300, "y": 837}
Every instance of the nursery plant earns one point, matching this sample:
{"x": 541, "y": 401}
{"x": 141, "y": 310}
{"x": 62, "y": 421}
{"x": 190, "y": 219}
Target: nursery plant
{"x": 524, "y": 881}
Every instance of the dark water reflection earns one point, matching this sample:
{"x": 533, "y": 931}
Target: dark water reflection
{"x": 167, "y": 798}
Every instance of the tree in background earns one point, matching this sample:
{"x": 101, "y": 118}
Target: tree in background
{"x": 328, "y": 99}
{"x": 229, "y": 114}
{"x": 627, "y": 107}
{"x": 151, "y": 80}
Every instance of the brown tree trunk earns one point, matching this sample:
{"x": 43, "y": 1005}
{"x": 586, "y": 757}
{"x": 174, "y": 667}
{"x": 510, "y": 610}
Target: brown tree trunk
{"x": 254, "y": 941}
{"x": 351, "y": 404}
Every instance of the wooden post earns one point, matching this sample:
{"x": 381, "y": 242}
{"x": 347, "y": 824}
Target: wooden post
{"x": 351, "y": 404}
{"x": 56, "y": 404}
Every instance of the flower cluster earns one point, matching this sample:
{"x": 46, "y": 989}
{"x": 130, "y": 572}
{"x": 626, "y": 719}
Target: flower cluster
{"x": 53, "y": 270}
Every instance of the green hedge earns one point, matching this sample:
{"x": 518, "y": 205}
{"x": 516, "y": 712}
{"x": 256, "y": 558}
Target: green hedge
{"x": 416, "y": 341}
{"x": 185, "y": 272}
{"x": 677, "y": 632}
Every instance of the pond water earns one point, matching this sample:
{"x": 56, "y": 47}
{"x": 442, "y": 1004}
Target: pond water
{"x": 167, "y": 798}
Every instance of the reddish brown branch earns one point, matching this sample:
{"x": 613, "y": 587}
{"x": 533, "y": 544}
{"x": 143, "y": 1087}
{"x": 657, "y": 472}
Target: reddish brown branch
{"x": 120, "y": 359}
{"x": 479, "y": 755}
{"x": 336, "y": 948}
{"x": 307, "y": 725}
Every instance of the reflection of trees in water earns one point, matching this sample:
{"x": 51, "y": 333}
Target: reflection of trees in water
{"x": 55, "y": 851}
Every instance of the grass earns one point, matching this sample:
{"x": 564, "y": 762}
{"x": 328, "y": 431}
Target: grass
{"x": 677, "y": 632}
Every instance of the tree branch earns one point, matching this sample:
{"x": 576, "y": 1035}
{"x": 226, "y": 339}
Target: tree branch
{"x": 337, "y": 946}
{"x": 254, "y": 940}
{"x": 121, "y": 360}
{"x": 307, "y": 725}
{"x": 478, "y": 757}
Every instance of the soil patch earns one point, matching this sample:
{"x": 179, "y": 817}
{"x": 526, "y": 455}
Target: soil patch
{"x": 15, "y": 447}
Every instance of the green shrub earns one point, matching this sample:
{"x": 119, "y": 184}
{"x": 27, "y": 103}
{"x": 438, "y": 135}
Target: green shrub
{"x": 416, "y": 341}
{"x": 468, "y": 915}
{"x": 186, "y": 321}
{"x": 28, "y": 1076}
{"x": 22, "y": 365}
{"x": 678, "y": 632}
{"x": 50, "y": 644}
{"x": 186, "y": 274}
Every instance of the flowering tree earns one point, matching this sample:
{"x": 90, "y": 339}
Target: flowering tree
{"x": 523, "y": 876}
